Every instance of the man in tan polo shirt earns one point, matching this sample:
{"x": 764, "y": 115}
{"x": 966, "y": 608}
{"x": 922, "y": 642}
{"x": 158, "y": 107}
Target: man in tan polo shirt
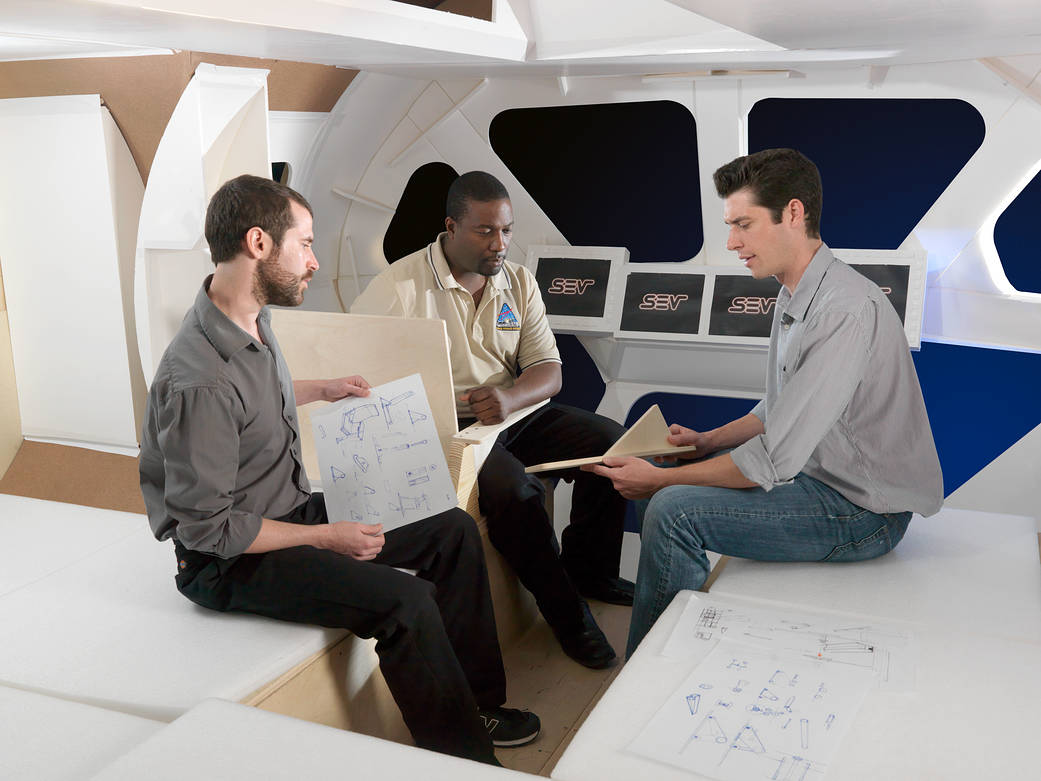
{"x": 504, "y": 357}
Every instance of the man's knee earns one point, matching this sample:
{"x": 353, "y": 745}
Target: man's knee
{"x": 457, "y": 526}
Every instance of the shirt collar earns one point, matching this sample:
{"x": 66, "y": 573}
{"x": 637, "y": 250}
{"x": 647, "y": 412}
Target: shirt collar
{"x": 226, "y": 337}
{"x": 443, "y": 273}
{"x": 808, "y": 284}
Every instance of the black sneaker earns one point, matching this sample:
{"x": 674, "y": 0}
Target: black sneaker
{"x": 510, "y": 726}
{"x": 586, "y": 643}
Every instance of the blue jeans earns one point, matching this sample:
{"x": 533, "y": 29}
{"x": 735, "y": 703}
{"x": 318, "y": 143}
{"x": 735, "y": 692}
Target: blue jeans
{"x": 804, "y": 520}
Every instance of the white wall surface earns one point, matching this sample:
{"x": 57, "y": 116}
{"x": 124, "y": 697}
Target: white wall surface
{"x": 59, "y": 245}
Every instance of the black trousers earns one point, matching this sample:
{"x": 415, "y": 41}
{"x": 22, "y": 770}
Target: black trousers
{"x": 519, "y": 526}
{"x": 435, "y": 633}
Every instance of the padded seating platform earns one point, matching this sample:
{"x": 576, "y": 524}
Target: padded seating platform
{"x": 224, "y": 740}
{"x": 971, "y": 713}
{"x": 47, "y": 739}
{"x": 40, "y": 537}
{"x": 958, "y": 569}
{"x": 99, "y": 620}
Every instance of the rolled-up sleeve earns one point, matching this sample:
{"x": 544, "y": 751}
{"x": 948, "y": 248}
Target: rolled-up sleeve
{"x": 817, "y": 389}
{"x": 198, "y": 435}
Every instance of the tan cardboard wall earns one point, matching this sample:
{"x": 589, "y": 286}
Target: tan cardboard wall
{"x": 141, "y": 92}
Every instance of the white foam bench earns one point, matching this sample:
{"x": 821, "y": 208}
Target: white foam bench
{"x": 47, "y": 739}
{"x": 971, "y": 713}
{"x": 958, "y": 569}
{"x": 93, "y": 615}
{"x": 219, "y": 739}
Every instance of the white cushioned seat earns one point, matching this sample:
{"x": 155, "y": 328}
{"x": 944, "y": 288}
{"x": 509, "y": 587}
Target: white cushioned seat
{"x": 47, "y": 739}
{"x": 229, "y": 741}
{"x": 109, "y": 628}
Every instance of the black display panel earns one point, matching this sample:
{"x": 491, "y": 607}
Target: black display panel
{"x": 575, "y": 287}
{"x": 743, "y": 306}
{"x": 892, "y": 279}
{"x": 663, "y": 303}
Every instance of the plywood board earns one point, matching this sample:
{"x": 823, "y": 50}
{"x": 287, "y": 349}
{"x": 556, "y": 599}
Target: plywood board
{"x": 645, "y": 438}
{"x": 10, "y": 420}
{"x": 320, "y": 345}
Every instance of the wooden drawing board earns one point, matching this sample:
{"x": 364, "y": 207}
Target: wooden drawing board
{"x": 323, "y": 345}
{"x": 646, "y": 437}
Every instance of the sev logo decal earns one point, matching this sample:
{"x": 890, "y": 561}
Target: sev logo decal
{"x": 565, "y": 286}
{"x": 663, "y": 302}
{"x": 751, "y": 305}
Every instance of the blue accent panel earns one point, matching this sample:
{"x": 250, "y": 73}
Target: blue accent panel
{"x": 1015, "y": 236}
{"x": 883, "y": 161}
{"x": 697, "y": 412}
{"x": 613, "y": 174}
{"x": 980, "y": 402}
{"x": 582, "y": 386}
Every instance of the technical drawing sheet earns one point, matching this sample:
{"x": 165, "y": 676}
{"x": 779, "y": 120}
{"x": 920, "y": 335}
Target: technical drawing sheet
{"x": 887, "y": 650}
{"x": 750, "y": 714}
{"x": 381, "y": 458}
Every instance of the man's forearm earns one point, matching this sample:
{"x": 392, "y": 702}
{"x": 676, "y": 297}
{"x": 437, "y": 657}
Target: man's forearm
{"x": 535, "y": 384}
{"x": 720, "y": 471}
{"x": 277, "y": 535}
{"x": 736, "y": 432}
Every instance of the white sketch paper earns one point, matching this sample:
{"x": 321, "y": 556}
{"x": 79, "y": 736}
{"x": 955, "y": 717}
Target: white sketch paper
{"x": 747, "y": 713}
{"x": 886, "y": 650}
{"x": 381, "y": 458}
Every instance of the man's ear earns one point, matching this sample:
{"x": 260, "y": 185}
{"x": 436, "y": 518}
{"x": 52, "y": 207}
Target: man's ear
{"x": 256, "y": 242}
{"x": 450, "y": 226}
{"x": 797, "y": 212}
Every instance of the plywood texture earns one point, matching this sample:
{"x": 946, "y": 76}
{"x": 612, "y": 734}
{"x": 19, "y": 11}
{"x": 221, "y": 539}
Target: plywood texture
{"x": 540, "y": 678}
{"x": 141, "y": 92}
{"x": 320, "y": 345}
{"x": 75, "y": 475}
{"x": 10, "y": 420}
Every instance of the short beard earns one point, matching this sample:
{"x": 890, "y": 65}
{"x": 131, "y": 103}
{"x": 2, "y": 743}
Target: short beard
{"x": 273, "y": 285}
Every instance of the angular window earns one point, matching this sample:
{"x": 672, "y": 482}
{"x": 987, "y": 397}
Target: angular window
{"x": 420, "y": 215}
{"x": 1015, "y": 236}
{"x": 883, "y": 161}
{"x": 614, "y": 175}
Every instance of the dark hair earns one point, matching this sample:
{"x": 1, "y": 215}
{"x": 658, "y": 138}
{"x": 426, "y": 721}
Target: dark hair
{"x": 472, "y": 186}
{"x": 248, "y": 202}
{"x": 775, "y": 177}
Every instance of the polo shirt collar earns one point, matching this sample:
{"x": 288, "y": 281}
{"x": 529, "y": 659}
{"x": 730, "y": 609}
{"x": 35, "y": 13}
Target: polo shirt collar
{"x": 226, "y": 337}
{"x": 808, "y": 284}
{"x": 443, "y": 273}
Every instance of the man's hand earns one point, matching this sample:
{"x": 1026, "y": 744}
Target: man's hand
{"x": 358, "y": 540}
{"x": 681, "y": 436}
{"x": 341, "y": 387}
{"x": 633, "y": 478}
{"x": 489, "y": 404}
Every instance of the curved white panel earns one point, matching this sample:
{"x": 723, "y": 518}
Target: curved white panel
{"x": 218, "y": 130}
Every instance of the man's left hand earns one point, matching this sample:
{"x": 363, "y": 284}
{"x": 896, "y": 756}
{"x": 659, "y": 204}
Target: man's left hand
{"x": 633, "y": 478}
{"x": 488, "y": 404}
{"x": 342, "y": 387}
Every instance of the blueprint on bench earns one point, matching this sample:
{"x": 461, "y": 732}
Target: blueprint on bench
{"x": 381, "y": 458}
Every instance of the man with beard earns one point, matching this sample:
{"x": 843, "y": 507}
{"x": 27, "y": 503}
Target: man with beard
{"x": 504, "y": 357}
{"x": 221, "y": 475}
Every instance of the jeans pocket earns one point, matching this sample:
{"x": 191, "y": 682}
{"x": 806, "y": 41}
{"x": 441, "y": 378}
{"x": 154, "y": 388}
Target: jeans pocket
{"x": 875, "y": 544}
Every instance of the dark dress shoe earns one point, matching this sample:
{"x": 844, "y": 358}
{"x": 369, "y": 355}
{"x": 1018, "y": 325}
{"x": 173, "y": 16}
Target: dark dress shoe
{"x": 614, "y": 591}
{"x": 587, "y": 644}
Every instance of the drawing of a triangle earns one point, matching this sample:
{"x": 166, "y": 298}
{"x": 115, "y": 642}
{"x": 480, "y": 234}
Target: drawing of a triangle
{"x": 415, "y": 417}
{"x": 337, "y": 474}
{"x": 748, "y": 740}
{"x": 766, "y": 694}
{"x": 709, "y": 729}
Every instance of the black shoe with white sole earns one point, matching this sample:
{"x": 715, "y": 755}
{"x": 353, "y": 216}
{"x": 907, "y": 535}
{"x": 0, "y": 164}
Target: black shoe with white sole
{"x": 510, "y": 726}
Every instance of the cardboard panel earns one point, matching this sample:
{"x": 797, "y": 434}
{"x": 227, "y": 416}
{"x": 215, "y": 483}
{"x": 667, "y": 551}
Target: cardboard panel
{"x": 320, "y": 345}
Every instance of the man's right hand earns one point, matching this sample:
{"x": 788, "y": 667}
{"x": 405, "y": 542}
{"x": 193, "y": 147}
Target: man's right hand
{"x": 360, "y": 541}
{"x": 681, "y": 436}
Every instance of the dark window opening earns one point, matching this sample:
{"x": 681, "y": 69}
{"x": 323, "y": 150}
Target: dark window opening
{"x": 420, "y": 215}
{"x": 1015, "y": 237}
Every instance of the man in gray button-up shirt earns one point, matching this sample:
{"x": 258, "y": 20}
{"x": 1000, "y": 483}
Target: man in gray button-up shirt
{"x": 831, "y": 464}
{"x": 221, "y": 475}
